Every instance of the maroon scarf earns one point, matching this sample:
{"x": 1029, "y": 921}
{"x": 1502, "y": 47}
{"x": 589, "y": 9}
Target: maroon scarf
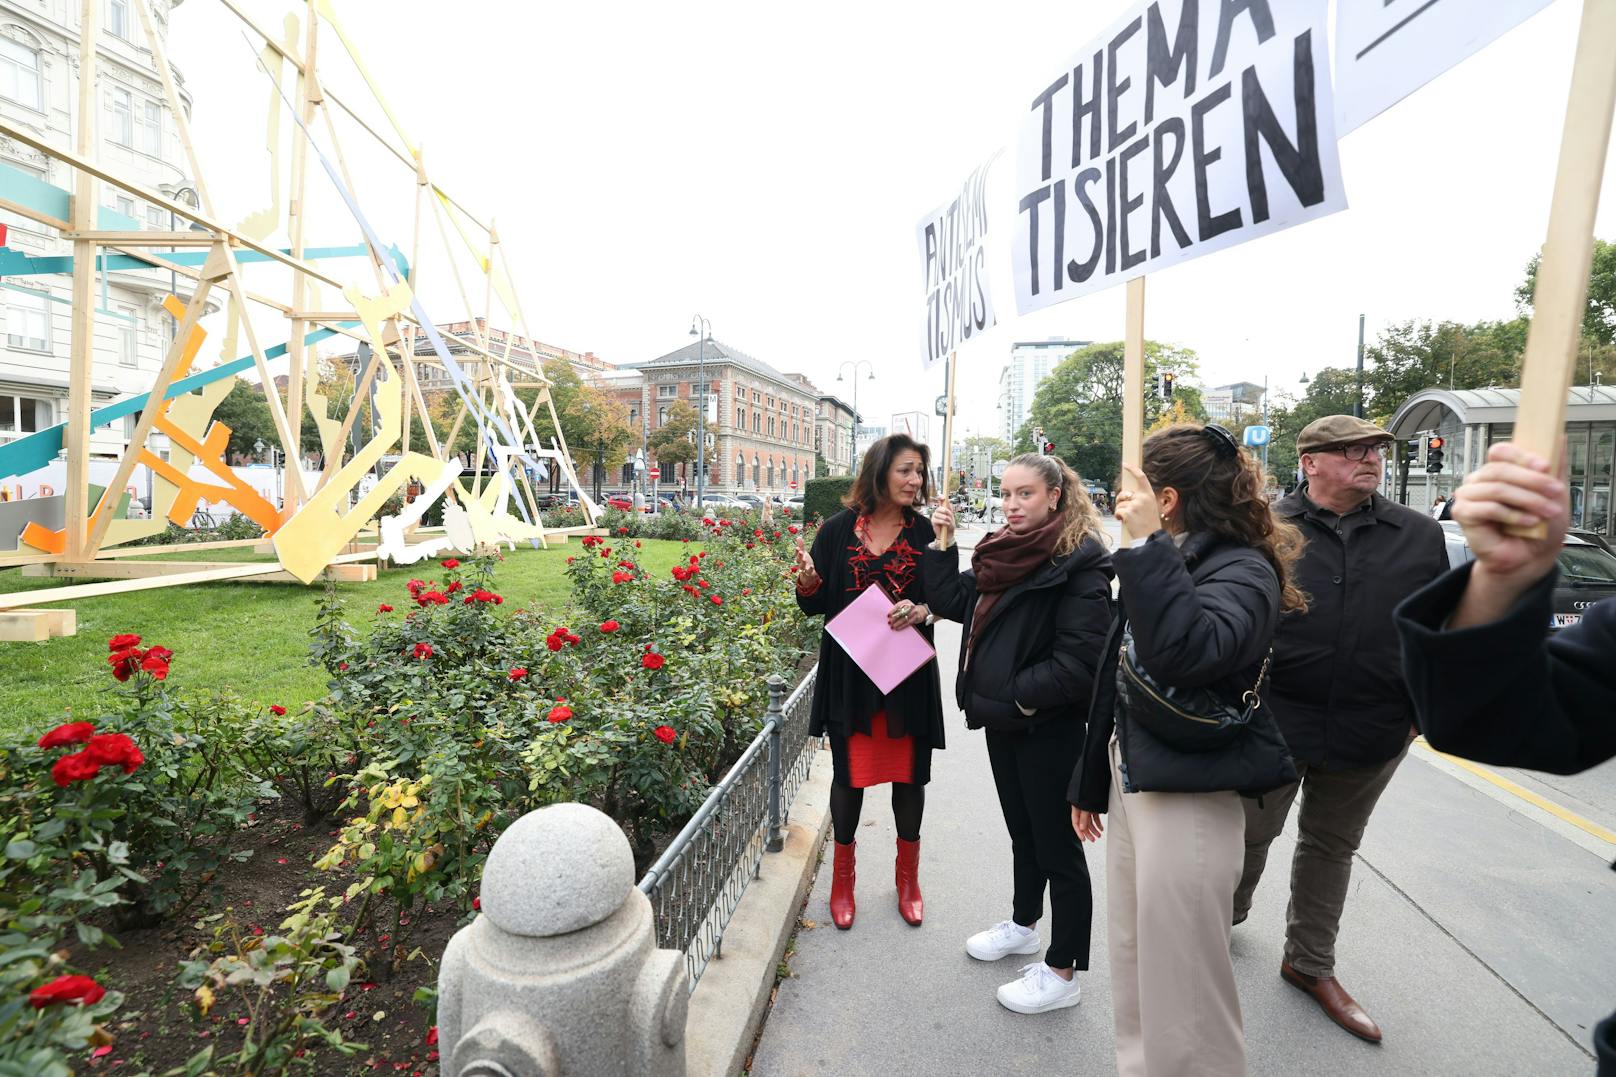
{"x": 1004, "y": 559}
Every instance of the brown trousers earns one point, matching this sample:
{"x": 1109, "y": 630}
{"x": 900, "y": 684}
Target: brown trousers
{"x": 1172, "y": 861}
{"x": 1336, "y": 805}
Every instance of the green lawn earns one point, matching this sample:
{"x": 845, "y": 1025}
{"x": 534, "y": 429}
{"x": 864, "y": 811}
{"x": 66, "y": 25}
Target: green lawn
{"x": 252, "y": 637}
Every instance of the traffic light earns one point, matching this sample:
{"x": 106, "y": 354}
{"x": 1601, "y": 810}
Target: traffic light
{"x": 1411, "y": 453}
{"x": 1048, "y": 448}
{"x": 1433, "y": 453}
{"x": 1167, "y": 379}
{"x": 1155, "y": 385}
{"x": 1038, "y": 438}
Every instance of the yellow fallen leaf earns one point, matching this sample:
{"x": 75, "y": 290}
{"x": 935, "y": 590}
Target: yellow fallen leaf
{"x": 204, "y": 999}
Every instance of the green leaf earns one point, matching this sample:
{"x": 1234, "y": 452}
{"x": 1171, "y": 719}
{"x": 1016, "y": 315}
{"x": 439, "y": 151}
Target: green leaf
{"x": 20, "y": 849}
{"x": 337, "y": 979}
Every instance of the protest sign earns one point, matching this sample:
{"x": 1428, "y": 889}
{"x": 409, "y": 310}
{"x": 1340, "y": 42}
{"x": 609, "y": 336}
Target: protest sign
{"x": 1387, "y": 49}
{"x": 1189, "y": 126}
{"x": 953, "y": 252}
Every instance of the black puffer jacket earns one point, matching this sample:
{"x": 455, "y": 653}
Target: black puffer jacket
{"x": 1202, "y": 617}
{"x": 1041, "y": 643}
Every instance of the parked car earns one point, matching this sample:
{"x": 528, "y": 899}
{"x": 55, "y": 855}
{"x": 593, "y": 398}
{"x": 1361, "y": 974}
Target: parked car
{"x": 751, "y": 501}
{"x": 1587, "y": 571}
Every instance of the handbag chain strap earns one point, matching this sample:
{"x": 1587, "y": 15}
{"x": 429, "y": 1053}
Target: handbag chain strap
{"x": 1253, "y": 698}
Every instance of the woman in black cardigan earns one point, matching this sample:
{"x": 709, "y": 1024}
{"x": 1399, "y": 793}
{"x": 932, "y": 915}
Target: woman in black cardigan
{"x": 875, "y": 738}
{"x": 1036, "y": 606}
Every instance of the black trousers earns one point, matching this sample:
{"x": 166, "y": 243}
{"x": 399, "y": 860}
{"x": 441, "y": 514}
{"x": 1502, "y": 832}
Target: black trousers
{"x": 1031, "y": 772}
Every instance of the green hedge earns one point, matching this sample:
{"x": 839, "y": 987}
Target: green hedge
{"x": 822, "y": 498}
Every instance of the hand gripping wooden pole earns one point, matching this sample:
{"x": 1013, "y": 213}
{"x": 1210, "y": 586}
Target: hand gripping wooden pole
{"x": 1562, "y": 275}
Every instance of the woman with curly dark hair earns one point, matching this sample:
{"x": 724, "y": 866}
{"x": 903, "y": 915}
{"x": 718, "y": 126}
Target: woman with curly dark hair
{"x": 1176, "y": 734}
{"x": 875, "y": 738}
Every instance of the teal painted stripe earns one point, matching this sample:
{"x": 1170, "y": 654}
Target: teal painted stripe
{"x": 15, "y": 263}
{"x": 26, "y": 190}
{"x": 36, "y": 450}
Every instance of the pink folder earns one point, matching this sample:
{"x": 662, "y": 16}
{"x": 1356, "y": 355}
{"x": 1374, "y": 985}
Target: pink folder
{"x": 885, "y": 656}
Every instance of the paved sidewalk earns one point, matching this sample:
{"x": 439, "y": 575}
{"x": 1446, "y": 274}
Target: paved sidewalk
{"x": 1478, "y": 938}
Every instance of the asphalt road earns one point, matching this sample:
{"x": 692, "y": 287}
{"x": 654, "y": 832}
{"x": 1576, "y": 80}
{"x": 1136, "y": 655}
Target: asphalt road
{"x": 1480, "y": 933}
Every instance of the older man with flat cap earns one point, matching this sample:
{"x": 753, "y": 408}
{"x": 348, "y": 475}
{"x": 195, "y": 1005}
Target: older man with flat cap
{"x": 1337, "y": 690}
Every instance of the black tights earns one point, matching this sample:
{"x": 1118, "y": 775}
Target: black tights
{"x": 908, "y": 805}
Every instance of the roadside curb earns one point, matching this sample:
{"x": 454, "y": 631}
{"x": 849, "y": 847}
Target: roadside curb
{"x": 732, "y": 998}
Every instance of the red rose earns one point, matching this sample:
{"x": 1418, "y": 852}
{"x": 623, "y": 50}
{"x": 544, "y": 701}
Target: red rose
{"x": 610, "y": 626}
{"x": 453, "y": 587}
{"x": 622, "y": 577}
{"x": 652, "y": 660}
{"x": 124, "y": 662}
{"x": 574, "y": 640}
{"x": 78, "y": 767}
{"x": 384, "y": 608}
{"x": 701, "y": 583}
{"x": 746, "y": 590}
{"x": 123, "y": 641}
{"x": 71, "y": 733}
{"x": 622, "y": 530}
{"x": 708, "y": 520}
{"x": 432, "y": 1036}
{"x": 423, "y": 650}
{"x": 342, "y": 665}
{"x": 155, "y": 664}
{"x": 570, "y": 560}
{"x": 79, "y": 989}
{"x": 553, "y": 642}
{"x": 451, "y": 562}
{"x": 794, "y": 529}
{"x": 114, "y": 750}
{"x": 718, "y": 600}
{"x": 559, "y": 713}
{"x": 702, "y": 554}
{"x": 276, "y": 709}
{"x": 477, "y": 903}
{"x": 665, "y": 734}
{"x": 757, "y": 532}
{"x": 517, "y": 673}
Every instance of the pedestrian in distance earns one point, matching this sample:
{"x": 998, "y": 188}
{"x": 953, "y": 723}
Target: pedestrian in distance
{"x": 1439, "y": 506}
{"x": 875, "y": 739}
{"x": 1489, "y": 681}
{"x": 1036, "y": 606}
{"x": 1336, "y": 688}
{"x": 1177, "y": 732}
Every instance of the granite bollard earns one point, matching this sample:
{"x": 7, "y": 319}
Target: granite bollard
{"x": 561, "y": 973}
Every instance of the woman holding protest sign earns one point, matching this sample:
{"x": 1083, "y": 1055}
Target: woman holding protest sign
{"x": 876, "y": 738}
{"x": 1177, "y": 732}
{"x": 1035, "y": 605}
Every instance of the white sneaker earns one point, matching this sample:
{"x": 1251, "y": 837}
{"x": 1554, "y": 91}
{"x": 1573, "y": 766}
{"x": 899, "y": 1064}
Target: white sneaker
{"x": 1003, "y": 939}
{"x": 1039, "y": 990}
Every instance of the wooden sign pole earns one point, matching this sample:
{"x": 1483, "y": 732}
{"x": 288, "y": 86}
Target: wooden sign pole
{"x": 1562, "y": 275}
{"x": 947, "y": 540}
{"x": 1133, "y": 388}
{"x": 82, "y": 362}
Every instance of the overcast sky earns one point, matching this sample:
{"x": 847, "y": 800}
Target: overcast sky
{"x": 767, "y": 170}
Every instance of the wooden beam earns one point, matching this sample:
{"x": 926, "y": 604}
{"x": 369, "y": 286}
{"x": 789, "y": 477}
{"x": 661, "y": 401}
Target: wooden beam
{"x": 1562, "y": 276}
{"x": 178, "y": 547}
{"x": 295, "y": 223}
{"x": 50, "y": 595}
{"x": 142, "y": 570}
{"x": 82, "y": 361}
{"x": 1133, "y": 387}
{"x": 24, "y": 626}
{"x": 147, "y": 239}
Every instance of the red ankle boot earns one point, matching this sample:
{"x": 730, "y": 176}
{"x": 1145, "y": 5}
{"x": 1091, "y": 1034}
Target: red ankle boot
{"x": 908, "y": 873}
{"x": 841, "y": 885}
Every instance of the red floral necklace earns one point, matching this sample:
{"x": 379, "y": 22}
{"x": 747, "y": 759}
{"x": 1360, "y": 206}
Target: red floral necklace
{"x": 896, "y": 563}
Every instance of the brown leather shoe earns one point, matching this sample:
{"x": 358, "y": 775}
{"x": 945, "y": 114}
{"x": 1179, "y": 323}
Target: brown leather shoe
{"x": 1333, "y": 999}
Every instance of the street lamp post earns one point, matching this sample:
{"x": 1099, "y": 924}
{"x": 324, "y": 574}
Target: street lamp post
{"x": 855, "y": 364}
{"x": 702, "y": 329}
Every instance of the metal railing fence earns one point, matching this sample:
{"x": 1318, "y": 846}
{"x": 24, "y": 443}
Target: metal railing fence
{"x": 697, "y": 882}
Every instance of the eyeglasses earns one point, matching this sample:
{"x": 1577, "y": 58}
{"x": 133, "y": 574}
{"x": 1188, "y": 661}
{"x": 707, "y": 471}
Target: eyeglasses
{"x": 1221, "y": 439}
{"x": 1358, "y": 452}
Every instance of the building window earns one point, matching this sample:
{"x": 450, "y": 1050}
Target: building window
{"x": 757, "y": 397}
{"x": 740, "y": 391}
{"x": 757, "y": 422}
{"x": 123, "y": 118}
{"x": 740, "y": 418}
{"x": 125, "y": 205}
{"x": 19, "y": 74}
{"x": 151, "y": 128}
{"x": 118, "y": 18}
{"x": 23, "y": 414}
{"x": 156, "y": 219}
{"x": 757, "y": 472}
{"x": 667, "y": 392}
{"x": 771, "y": 426}
{"x": 27, "y": 321}
{"x": 793, "y": 433}
{"x": 662, "y": 416}
{"x": 771, "y": 472}
{"x": 633, "y": 415}
{"x": 127, "y": 354}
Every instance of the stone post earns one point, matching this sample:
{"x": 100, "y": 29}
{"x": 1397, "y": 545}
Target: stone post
{"x": 561, "y": 973}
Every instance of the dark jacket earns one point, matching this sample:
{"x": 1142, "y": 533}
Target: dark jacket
{"x": 1040, "y": 644}
{"x": 1511, "y": 694}
{"x": 1201, "y": 616}
{"x": 1336, "y": 685}
{"x": 844, "y": 698}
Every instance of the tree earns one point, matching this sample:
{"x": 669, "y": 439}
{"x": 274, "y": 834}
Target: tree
{"x": 1332, "y": 391}
{"x": 1414, "y": 355}
{"x": 246, "y": 412}
{"x": 1079, "y": 405}
{"x": 1599, "y": 318}
{"x": 1178, "y": 413}
{"x": 673, "y": 443}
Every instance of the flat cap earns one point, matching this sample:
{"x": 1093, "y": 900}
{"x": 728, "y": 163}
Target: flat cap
{"x": 1338, "y": 430}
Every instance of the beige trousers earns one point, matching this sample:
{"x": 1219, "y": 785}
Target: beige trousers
{"x": 1172, "y": 862}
